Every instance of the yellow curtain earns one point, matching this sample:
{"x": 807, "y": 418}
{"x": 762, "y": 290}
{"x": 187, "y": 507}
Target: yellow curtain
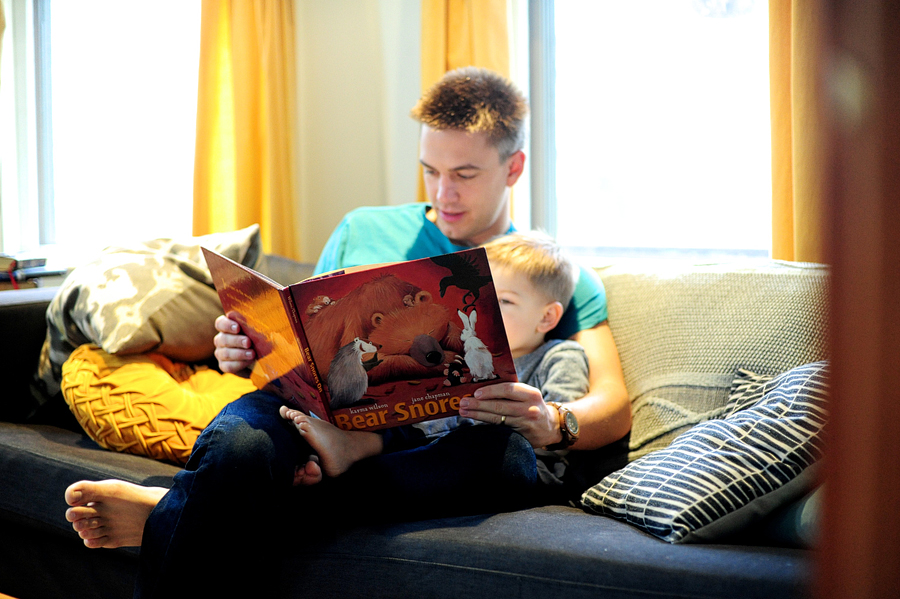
{"x": 246, "y": 121}
{"x": 797, "y": 160}
{"x": 460, "y": 33}
{"x": 2, "y": 28}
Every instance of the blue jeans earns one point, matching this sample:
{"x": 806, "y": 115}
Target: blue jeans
{"x": 232, "y": 503}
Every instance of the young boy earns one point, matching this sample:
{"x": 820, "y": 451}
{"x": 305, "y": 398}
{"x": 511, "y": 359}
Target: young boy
{"x": 534, "y": 281}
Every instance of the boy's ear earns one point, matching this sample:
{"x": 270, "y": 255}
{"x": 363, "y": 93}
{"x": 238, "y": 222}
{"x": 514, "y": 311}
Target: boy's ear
{"x": 552, "y": 314}
{"x": 516, "y": 168}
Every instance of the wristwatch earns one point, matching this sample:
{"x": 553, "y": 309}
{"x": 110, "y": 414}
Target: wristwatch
{"x": 568, "y": 426}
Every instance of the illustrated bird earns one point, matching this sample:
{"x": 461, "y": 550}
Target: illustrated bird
{"x": 465, "y": 275}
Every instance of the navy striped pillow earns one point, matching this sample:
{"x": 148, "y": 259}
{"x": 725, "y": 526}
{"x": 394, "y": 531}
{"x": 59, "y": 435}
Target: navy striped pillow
{"x": 719, "y": 469}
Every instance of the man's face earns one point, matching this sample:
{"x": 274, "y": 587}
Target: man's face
{"x": 467, "y": 184}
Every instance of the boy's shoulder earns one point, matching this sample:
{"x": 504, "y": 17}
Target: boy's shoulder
{"x": 553, "y": 353}
{"x": 558, "y": 346}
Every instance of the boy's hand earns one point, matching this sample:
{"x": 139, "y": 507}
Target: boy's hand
{"x": 234, "y": 351}
{"x": 516, "y": 405}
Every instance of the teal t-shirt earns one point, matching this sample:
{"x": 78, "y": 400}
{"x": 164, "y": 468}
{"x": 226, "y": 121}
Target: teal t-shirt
{"x": 397, "y": 233}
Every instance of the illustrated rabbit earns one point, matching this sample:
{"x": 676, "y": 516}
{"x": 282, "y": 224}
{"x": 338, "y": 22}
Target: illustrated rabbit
{"x": 477, "y": 356}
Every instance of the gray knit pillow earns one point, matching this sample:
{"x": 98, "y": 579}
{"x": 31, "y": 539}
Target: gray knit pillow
{"x": 683, "y": 330}
{"x": 724, "y": 474}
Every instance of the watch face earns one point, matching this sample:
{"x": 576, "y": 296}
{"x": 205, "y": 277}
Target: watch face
{"x": 571, "y": 423}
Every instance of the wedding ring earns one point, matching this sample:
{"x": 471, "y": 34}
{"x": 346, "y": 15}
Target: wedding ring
{"x": 503, "y": 420}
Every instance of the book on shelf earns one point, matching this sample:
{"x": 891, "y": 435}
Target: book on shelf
{"x": 28, "y": 274}
{"x": 374, "y": 347}
{"x": 8, "y": 263}
{"x": 20, "y": 272}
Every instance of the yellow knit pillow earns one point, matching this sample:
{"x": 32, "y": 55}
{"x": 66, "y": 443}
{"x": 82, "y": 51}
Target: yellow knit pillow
{"x": 145, "y": 404}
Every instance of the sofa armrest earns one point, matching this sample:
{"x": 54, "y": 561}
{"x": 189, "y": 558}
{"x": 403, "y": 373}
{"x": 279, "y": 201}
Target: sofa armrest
{"x": 22, "y": 318}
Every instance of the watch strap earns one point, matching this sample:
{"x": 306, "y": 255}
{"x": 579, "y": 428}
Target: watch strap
{"x": 568, "y": 436}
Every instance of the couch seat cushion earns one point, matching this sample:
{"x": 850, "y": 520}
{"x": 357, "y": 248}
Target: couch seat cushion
{"x": 536, "y": 553}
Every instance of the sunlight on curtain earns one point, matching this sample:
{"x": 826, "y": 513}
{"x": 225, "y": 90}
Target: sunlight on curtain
{"x": 460, "y": 33}
{"x": 2, "y": 29}
{"x": 797, "y": 161}
{"x": 246, "y": 123}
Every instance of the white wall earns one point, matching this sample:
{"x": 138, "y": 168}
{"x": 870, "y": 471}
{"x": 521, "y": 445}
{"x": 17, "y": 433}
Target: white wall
{"x": 358, "y": 67}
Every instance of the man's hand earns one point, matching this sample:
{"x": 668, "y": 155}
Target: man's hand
{"x": 234, "y": 351}
{"x": 518, "y": 406}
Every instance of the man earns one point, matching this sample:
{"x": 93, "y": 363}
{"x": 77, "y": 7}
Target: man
{"x": 472, "y": 135}
{"x": 245, "y": 462}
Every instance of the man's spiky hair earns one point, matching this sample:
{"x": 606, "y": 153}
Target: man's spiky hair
{"x": 476, "y": 100}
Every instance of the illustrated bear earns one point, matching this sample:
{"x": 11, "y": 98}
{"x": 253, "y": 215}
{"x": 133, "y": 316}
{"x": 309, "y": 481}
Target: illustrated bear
{"x": 414, "y": 342}
{"x": 335, "y": 323}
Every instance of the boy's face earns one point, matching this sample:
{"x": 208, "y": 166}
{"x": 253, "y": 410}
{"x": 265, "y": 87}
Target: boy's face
{"x": 467, "y": 184}
{"x": 527, "y": 313}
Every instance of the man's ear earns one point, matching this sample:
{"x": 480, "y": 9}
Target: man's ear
{"x": 516, "y": 168}
{"x": 550, "y": 318}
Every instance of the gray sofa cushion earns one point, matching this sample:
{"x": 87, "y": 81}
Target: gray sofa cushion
{"x": 536, "y": 553}
{"x": 540, "y": 552}
{"x": 37, "y": 463}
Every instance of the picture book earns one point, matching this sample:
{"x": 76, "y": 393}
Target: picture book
{"x": 374, "y": 347}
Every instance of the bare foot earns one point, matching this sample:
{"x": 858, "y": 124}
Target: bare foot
{"x": 110, "y": 513}
{"x": 338, "y": 449}
{"x": 309, "y": 473}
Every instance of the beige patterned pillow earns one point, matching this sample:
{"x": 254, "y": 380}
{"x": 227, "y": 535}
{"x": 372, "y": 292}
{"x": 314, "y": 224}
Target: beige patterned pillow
{"x": 151, "y": 296}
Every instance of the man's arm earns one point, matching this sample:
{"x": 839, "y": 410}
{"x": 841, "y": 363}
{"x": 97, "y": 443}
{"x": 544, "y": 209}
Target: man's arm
{"x": 604, "y": 414}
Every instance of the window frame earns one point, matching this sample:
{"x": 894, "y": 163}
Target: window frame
{"x": 36, "y": 199}
{"x": 543, "y": 151}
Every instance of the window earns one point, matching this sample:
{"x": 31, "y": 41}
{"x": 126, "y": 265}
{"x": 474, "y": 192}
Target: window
{"x": 660, "y": 127}
{"x": 102, "y": 123}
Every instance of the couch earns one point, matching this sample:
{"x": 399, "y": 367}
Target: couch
{"x": 683, "y": 331}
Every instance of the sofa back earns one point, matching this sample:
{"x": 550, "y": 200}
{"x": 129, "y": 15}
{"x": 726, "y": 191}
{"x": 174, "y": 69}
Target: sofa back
{"x": 683, "y": 329}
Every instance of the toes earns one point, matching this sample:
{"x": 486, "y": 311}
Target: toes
{"x": 91, "y": 532}
{"x": 75, "y": 494}
{"x": 288, "y": 413}
{"x": 79, "y": 514}
{"x": 96, "y": 542}
{"x": 84, "y": 492}
{"x": 309, "y": 473}
{"x": 86, "y": 524}
{"x": 313, "y": 469}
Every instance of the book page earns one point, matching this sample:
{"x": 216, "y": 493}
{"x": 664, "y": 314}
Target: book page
{"x": 389, "y": 343}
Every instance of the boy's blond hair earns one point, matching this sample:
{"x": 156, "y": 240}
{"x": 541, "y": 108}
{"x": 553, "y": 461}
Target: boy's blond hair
{"x": 477, "y": 101}
{"x": 539, "y": 258}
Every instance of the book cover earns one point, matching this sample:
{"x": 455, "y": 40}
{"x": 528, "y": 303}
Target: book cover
{"x": 377, "y": 347}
